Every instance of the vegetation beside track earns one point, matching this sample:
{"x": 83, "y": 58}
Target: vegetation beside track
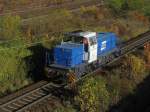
{"x": 99, "y": 93}
{"x": 22, "y": 4}
{"x": 22, "y": 61}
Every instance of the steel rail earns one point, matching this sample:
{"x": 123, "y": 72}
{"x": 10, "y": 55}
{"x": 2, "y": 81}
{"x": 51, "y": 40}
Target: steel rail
{"x": 135, "y": 42}
{"x": 26, "y": 100}
{"x": 131, "y": 45}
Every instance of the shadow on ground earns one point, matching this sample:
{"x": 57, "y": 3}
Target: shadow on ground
{"x": 137, "y": 102}
{"x": 36, "y": 62}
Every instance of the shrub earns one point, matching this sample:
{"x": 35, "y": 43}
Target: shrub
{"x": 117, "y": 5}
{"x": 93, "y": 95}
{"x": 146, "y": 9}
{"x": 136, "y": 68}
{"x": 114, "y": 88}
{"x": 92, "y": 11}
{"x": 147, "y": 54}
{"x": 135, "y": 4}
{"x": 14, "y": 71}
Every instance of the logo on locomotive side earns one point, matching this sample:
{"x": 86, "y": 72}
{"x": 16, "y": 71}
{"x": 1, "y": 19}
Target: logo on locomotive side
{"x": 103, "y": 45}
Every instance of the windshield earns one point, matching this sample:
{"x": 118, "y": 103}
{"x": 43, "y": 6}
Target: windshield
{"x": 92, "y": 40}
{"x": 73, "y": 39}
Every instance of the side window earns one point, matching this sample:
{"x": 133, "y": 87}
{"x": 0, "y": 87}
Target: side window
{"x": 103, "y": 45}
{"x": 86, "y": 47}
{"x": 85, "y": 41}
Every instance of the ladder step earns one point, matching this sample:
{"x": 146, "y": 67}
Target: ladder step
{"x": 26, "y": 100}
{"x": 12, "y": 107}
{"x": 30, "y": 97}
{"x": 36, "y": 95}
{"x": 6, "y": 110}
{"x": 47, "y": 89}
{"x": 17, "y": 105}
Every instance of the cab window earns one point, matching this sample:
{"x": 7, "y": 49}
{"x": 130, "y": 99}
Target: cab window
{"x": 92, "y": 40}
{"x": 74, "y": 39}
{"x": 86, "y": 47}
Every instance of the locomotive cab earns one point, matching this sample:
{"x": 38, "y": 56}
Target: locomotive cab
{"x": 89, "y": 41}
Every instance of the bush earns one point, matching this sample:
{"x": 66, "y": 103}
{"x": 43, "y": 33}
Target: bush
{"x": 147, "y": 55}
{"x": 14, "y": 71}
{"x": 114, "y": 88}
{"x": 135, "y": 4}
{"x": 93, "y": 95}
{"x": 125, "y": 5}
{"x": 117, "y": 5}
{"x": 136, "y": 68}
{"x": 146, "y": 11}
{"x": 92, "y": 11}
{"x": 119, "y": 87}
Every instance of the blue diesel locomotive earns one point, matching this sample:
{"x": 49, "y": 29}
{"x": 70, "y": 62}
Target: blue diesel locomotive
{"x": 81, "y": 53}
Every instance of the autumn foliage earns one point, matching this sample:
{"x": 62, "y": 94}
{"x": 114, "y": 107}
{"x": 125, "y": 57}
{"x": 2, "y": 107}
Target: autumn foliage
{"x": 140, "y": 17}
{"x": 147, "y": 54}
{"x": 93, "y": 95}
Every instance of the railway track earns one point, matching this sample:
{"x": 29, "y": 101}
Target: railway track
{"x": 37, "y": 95}
{"x": 135, "y": 43}
{"x": 132, "y": 44}
{"x": 29, "y": 99}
